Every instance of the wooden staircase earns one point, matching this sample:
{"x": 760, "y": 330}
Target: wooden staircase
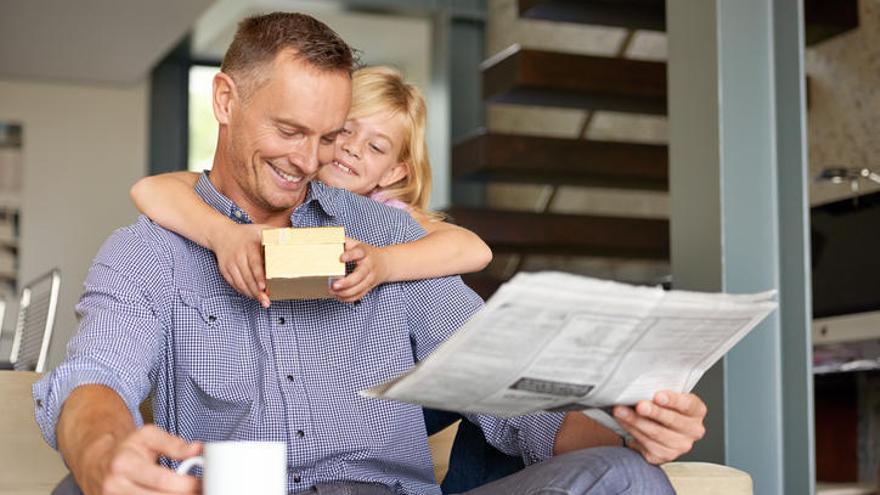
{"x": 496, "y": 157}
{"x": 823, "y": 19}
{"x": 525, "y": 76}
{"x": 535, "y": 77}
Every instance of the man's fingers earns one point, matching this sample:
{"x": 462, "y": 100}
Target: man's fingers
{"x": 163, "y": 480}
{"x": 656, "y": 432}
{"x": 690, "y": 426}
{"x": 133, "y": 468}
{"x": 687, "y": 404}
{"x": 159, "y": 441}
{"x": 652, "y": 451}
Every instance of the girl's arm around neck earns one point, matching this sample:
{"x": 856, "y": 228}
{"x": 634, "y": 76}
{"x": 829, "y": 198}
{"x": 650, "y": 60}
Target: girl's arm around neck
{"x": 171, "y": 201}
{"x": 447, "y": 250}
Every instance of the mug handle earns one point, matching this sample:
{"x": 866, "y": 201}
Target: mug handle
{"x": 190, "y": 463}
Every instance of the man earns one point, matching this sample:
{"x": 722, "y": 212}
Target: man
{"x": 158, "y": 319}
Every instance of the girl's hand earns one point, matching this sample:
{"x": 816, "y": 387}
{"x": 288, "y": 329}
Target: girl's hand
{"x": 239, "y": 252}
{"x": 371, "y": 270}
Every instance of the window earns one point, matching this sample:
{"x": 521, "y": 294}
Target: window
{"x": 202, "y": 126}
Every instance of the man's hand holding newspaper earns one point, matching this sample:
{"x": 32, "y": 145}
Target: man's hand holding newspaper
{"x": 559, "y": 342}
{"x": 664, "y": 428}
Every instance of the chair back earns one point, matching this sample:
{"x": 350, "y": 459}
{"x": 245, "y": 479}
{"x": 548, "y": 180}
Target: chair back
{"x": 36, "y": 319}
{"x": 2, "y": 317}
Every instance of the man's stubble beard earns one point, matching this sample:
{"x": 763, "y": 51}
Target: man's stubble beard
{"x": 249, "y": 183}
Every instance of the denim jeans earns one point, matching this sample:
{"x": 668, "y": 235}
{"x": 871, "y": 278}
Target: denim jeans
{"x": 598, "y": 471}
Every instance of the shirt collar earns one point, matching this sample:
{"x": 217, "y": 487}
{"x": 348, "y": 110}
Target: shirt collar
{"x": 325, "y": 195}
{"x": 318, "y": 192}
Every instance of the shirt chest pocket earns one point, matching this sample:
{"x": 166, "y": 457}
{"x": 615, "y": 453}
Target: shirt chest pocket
{"x": 217, "y": 345}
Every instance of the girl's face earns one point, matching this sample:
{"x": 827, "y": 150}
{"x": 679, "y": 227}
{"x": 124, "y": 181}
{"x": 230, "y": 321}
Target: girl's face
{"x": 366, "y": 156}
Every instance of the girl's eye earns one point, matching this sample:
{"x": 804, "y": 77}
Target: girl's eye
{"x": 376, "y": 148}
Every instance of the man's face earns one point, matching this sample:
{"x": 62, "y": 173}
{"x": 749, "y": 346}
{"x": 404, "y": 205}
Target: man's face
{"x": 284, "y": 131}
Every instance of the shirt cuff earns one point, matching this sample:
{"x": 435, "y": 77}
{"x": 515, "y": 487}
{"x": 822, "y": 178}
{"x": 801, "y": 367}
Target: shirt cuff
{"x": 53, "y": 389}
{"x": 537, "y": 435}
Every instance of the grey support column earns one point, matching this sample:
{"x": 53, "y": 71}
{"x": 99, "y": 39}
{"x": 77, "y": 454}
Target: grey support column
{"x": 795, "y": 291}
{"x": 736, "y": 176}
{"x": 169, "y": 111}
{"x": 456, "y": 98}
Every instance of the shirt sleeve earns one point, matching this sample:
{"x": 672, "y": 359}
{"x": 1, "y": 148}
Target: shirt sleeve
{"x": 119, "y": 334}
{"x": 436, "y": 308}
{"x": 532, "y": 436}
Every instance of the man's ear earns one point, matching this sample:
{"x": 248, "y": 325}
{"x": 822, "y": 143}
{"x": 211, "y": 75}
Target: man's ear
{"x": 394, "y": 174}
{"x": 225, "y": 96}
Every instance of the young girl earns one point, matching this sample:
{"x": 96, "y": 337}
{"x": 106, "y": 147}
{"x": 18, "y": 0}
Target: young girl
{"x": 381, "y": 153}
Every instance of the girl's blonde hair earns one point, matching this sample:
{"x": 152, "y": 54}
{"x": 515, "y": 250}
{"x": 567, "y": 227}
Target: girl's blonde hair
{"x": 383, "y": 89}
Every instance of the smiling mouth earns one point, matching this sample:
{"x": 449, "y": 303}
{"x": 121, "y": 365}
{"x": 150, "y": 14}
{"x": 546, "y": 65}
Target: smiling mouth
{"x": 292, "y": 179}
{"x": 341, "y": 166}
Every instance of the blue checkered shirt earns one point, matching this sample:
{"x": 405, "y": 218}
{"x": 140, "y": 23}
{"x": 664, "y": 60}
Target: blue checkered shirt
{"x": 158, "y": 319}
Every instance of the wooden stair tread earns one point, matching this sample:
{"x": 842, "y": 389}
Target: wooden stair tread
{"x": 649, "y": 15}
{"x": 554, "y": 233}
{"x": 823, "y": 19}
{"x": 544, "y": 78}
{"x": 483, "y": 284}
{"x": 546, "y": 160}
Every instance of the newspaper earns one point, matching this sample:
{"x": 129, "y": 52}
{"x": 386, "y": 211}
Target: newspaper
{"x": 553, "y": 341}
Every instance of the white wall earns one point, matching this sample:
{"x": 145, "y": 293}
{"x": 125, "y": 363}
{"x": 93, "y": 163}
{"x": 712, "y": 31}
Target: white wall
{"x": 83, "y": 148}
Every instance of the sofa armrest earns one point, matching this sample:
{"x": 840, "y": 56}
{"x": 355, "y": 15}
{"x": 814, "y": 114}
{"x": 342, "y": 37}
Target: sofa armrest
{"x": 28, "y": 465}
{"x": 696, "y": 478}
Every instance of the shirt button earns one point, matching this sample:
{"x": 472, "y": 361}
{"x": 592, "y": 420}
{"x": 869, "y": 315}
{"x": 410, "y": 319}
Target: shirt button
{"x": 290, "y": 378}
{"x": 281, "y": 320}
{"x": 300, "y": 433}
{"x": 39, "y": 403}
{"x": 297, "y": 479}
{"x": 237, "y": 214}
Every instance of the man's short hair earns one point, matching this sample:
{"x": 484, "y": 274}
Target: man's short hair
{"x": 259, "y": 39}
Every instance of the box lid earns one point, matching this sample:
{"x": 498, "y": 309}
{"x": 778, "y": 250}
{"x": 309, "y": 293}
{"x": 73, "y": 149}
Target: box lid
{"x": 304, "y": 235}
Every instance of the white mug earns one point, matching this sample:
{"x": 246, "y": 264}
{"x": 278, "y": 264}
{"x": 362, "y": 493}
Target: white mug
{"x": 234, "y": 468}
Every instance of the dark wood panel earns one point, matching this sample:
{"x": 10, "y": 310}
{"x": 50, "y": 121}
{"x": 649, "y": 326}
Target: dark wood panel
{"x": 551, "y": 233}
{"x": 482, "y": 284}
{"x": 824, "y": 19}
{"x": 543, "y": 160}
{"x": 632, "y": 14}
{"x": 836, "y": 402}
{"x": 535, "y": 77}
